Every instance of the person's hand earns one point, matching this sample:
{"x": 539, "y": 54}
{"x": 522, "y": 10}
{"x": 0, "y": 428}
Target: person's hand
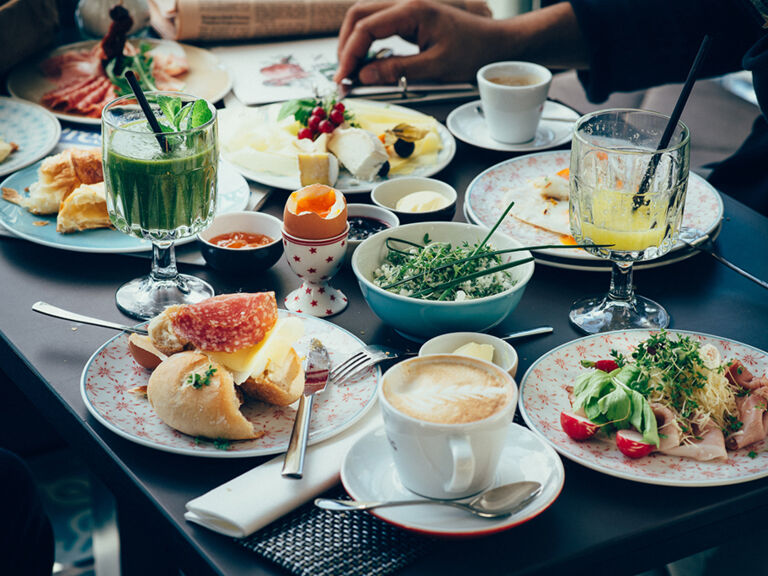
{"x": 453, "y": 43}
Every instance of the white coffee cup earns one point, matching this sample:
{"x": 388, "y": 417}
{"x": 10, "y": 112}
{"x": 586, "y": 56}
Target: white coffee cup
{"x": 513, "y": 109}
{"x": 446, "y": 418}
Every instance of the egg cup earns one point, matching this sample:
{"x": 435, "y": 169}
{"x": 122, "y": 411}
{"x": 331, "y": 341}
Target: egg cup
{"x": 316, "y": 262}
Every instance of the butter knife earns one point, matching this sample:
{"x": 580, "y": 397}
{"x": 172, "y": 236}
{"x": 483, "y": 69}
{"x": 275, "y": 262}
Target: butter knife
{"x": 703, "y": 243}
{"x": 316, "y": 375}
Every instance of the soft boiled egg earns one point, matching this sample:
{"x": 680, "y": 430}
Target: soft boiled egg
{"x": 315, "y": 212}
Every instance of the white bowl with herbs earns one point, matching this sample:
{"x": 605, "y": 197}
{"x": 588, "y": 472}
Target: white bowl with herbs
{"x": 430, "y": 278}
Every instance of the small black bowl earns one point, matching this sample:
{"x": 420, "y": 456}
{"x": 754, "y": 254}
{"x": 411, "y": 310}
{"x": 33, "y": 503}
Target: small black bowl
{"x": 242, "y": 261}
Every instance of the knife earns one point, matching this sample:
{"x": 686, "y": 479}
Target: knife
{"x": 316, "y": 375}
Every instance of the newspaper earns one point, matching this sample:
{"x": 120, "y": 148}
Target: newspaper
{"x": 212, "y": 20}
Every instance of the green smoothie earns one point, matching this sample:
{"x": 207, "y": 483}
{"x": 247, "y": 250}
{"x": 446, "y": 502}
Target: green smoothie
{"x": 158, "y": 194}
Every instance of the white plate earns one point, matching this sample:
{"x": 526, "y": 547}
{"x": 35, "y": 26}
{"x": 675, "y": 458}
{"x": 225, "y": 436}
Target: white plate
{"x": 484, "y": 203}
{"x": 112, "y": 372}
{"x": 368, "y": 473}
{"x": 206, "y": 78}
{"x": 35, "y": 130}
{"x": 346, "y": 183}
{"x": 468, "y": 124}
{"x": 543, "y": 397}
{"x": 233, "y": 196}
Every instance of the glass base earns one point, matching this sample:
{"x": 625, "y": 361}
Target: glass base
{"x": 602, "y": 314}
{"x": 145, "y": 297}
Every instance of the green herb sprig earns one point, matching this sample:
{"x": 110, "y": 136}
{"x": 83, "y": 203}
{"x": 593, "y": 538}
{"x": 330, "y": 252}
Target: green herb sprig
{"x": 199, "y": 380}
{"x": 140, "y": 63}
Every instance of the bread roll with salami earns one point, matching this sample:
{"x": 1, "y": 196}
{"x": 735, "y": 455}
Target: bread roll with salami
{"x": 197, "y": 396}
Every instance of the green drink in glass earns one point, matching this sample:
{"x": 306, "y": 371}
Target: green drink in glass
{"x": 160, "y": 187}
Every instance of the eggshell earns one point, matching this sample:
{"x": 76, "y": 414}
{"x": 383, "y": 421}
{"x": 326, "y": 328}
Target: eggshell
{"x": 315, "y": 212}
{"x": 144, "y": 352}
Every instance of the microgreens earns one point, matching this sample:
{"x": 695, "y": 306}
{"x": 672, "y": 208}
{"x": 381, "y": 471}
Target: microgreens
{"x": 199, "y": 380}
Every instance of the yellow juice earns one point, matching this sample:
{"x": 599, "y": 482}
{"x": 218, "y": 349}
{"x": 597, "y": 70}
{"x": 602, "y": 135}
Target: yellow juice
{"x": 614, "y": 219}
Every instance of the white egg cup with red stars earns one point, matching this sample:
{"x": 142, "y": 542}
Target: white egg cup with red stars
{"x": 315, "y": 262}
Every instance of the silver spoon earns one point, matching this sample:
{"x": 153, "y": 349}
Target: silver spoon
{"x": 526, "y": 333}
{"x": 56, "y": 312}
{"x": 501, "y": 501}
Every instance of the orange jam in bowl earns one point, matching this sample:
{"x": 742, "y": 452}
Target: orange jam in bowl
{"x": 241, "y": 240}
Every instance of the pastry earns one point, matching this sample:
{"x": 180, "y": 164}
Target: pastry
{"x": 6, "y": 149}
{"x": 83, "y": 209}
{"x": 60, "y": 175}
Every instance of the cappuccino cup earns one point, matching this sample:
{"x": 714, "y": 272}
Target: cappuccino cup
{"x": 446, "y": 418}
{"x": 513, "y": 95}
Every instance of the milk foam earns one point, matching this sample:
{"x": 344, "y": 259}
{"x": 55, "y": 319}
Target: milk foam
{"x": 448, "y": 393}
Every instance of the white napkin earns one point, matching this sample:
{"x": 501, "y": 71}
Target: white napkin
{"x": 254, "y": 499}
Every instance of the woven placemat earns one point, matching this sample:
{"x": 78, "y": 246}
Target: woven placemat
{"x": 315, "y": 542}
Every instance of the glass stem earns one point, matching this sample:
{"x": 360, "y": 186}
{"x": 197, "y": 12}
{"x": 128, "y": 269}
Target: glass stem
{"x": 163, "y": 261}
{"x": 621, "y": 281}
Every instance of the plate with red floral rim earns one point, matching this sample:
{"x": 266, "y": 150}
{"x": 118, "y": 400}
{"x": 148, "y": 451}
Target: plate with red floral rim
{"x": 111, "y": 374}
{"x": 485, "y": 201}
{"x": 543, "y": 396}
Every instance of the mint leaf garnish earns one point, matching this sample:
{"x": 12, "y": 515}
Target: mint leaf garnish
{"x": 200, "y": 114}
{"x": 170, "y": 106}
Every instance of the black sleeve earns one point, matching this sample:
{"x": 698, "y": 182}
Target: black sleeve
{"x": 635, "y": 44}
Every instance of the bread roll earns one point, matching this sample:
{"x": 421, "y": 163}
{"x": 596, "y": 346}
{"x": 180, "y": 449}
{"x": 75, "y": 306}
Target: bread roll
{"x": 85, "y": 208}
{"x": 280, "y": 384}
{"x": 212, "y": 409}
{"x": 162, "y": 334}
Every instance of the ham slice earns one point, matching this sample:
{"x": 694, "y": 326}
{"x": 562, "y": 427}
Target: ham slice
{"x": 669, "y": 430}
{"x": 738, "y": 375}
{"x": 752, "y": 414}
{"x": 710, "y": 446}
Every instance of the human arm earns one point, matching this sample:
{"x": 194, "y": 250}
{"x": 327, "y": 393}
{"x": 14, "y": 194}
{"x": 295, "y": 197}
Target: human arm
{"x": 453, "y": 43}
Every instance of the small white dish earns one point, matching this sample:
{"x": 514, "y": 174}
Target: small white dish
{"x": 368, "y": 473}
{"x": 389, "y": 193}
{"x": 504, "y": 354}
{"x": 468, "y": 124}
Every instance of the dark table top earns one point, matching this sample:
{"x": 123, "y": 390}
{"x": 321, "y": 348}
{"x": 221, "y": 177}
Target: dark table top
{"x": 598, "y": 521}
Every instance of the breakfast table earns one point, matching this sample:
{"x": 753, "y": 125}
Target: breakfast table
{"x": 599, "y": 524}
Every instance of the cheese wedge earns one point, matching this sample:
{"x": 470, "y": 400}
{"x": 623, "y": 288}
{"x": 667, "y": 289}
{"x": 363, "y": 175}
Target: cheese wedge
{"x": 320, "y": 168}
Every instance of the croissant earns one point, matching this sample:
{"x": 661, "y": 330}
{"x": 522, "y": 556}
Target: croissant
{"x": 60, "y": 175}
{"x": 83, "y": 209}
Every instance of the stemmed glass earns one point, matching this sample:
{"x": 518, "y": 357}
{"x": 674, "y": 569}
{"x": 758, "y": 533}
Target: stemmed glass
{"x": 161, "y": 189}
{"x": 627, "y": 194}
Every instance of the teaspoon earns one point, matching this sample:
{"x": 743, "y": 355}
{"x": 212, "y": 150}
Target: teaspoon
{"x": 501, "y": 501}
{"x": 56, "y": 312}
{"x": 526, "y": 333}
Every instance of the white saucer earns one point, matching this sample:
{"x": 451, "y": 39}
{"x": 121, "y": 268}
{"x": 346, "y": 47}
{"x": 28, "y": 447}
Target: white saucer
{"x": 468, "y": 125}
{"x": 368, "y": 473}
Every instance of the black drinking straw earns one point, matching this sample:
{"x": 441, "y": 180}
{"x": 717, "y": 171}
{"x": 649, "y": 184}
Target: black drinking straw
{"x": 142, "y": 100}
{"x": 673, "y": 120}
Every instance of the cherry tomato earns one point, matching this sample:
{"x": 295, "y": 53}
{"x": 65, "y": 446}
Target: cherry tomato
{"x": 318, "y": 111}
{"x": 336, "y": 116}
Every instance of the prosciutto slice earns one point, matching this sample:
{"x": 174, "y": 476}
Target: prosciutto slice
{"x": 738, "y": 375}
{"x": 710, "y": 446}
{"x": 752, "y": 414}
{"x": 669, "y": 430}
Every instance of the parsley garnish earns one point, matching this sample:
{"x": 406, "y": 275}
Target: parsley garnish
{"x": 222, "y": 444}
{"x": 752, "y": 454}
{"x": 141, "y": 64}
{"x": 199, "y": 380}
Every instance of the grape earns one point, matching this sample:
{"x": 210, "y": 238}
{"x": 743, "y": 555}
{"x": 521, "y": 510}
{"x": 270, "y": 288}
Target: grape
{"x": 318, "y": 111}
{"x": 339, "y": 106}
{"x": 314, "y": 123}
{"x": 326, "y": 126}
{"x": 336, "y": 116}
{"x": 305, "y": 133}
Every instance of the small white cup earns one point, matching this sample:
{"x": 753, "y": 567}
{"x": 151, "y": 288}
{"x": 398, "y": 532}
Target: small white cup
{"x": 439, "y": 459}
{"x": 512, "y": 113}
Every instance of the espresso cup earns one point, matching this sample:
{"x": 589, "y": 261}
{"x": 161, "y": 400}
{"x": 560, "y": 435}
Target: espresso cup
{"x": 513, "y": 95}
{"x": 446, "y": 418}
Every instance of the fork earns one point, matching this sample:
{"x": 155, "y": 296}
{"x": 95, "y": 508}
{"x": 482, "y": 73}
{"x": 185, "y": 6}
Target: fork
{"x": 362, "y": 360}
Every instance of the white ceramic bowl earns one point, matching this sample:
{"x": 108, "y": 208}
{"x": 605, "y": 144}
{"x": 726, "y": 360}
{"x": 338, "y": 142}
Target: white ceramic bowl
{"x": 422, "y": 319}
{"x": 504, "y": 354}
{"x": 388, "y": 194}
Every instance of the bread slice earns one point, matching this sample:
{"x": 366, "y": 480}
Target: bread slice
{"x": 162, "y": 334}
{"x": 206, "y": 405}
{"x": 281, "y": 384}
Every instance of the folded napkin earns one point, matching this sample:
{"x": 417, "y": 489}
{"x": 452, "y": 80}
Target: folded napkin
{"x": 260, "y": 496}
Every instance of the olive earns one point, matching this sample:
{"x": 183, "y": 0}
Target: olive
{"x": 404, "y": 148}
{"x": 384, "y": 170}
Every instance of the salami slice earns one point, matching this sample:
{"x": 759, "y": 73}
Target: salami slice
{"x": 227, "y": 323}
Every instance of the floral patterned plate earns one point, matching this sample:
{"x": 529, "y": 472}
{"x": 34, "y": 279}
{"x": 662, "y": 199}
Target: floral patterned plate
{"x": 112, "y": 372}
{"x": 485, "y": 201}
{"x": 543, "y": 397}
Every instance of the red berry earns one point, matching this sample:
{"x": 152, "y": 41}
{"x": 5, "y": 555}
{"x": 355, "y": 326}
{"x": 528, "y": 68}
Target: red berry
{"x": 339, "y": 106}
{"x": 606, "y": 365}
{"x": 318, "y": 111}
{"x": 305, "y": 133}
{"x": 326, "y": 126}
{"x": 336, "y": 116}
{"x": 314, "y": 122}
